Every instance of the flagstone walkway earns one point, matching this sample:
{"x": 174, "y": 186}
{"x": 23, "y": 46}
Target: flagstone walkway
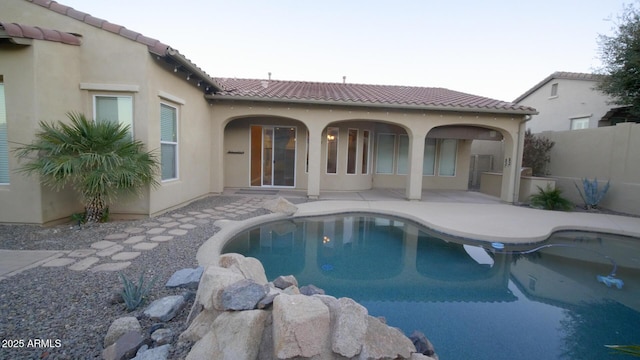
{"x": 116, "y": 251}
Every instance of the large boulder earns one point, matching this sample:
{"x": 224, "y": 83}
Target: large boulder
{"x": 200, "y": 326}
{"x": 166, "y": 308}
{"x": 385, "y": 342}
{"x": 280, "y": 205}
{"x": 214, "y": 280}
{"x": 119, "y": 327}
{"x": 125, "y": 347}
{"x": 185, "y": 278}
{"x": 243, "y": 295}
{"x": 283, "y": 282}
{"x": 301, "y": 326}
{"x": 235, "y": 335}
{"x": 248, "y": 267}
{"x": 349, "y": 322}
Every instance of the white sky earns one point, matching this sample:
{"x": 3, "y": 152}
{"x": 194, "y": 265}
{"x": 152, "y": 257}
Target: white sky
{"x": 493, "y": 48}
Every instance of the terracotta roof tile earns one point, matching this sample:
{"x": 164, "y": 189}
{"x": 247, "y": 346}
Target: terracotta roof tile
{"x": 38, "y": 33}
{"x": 111, "y": 27}
{"x": 362, "y": 94}
{"x": 91, "y": 20}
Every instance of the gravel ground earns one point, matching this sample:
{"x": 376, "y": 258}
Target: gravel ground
{"x": 75, "y": 307}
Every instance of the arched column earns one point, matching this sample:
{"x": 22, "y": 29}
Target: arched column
{"x": 217, "y": 158}
{"x": 413, "y": 188}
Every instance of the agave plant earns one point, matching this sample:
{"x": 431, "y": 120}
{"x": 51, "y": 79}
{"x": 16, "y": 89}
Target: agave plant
{"x": 550, "y": 199}
{"x": 590, "y": 193}
{"x": 134, "y": 294}
{"x": 98, "y": 159}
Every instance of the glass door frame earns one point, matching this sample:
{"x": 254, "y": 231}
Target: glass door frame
{"x": 272, "y": 156}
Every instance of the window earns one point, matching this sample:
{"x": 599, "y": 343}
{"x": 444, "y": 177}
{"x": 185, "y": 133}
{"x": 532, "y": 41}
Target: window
{"x": 447, "y": 161}
{"x": 580, "y": 123}
{"x": 4, "y": 147}
{"x": 429, "y": 157}
{"x": 403, "y": 155}
{"x": 332, "y": 150}
{"x": 114, "y": 109}
{"x": 385, "y": 152}
{"x": 168, "y": 142}
{"x": 554, "y": 90}
{"x": 365, "y": 152}
{"x": 352, "y": 151}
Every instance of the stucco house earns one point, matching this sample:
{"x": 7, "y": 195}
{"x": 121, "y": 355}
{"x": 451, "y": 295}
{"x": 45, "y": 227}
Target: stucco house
{"x": 566, "y": 101}
{"x": 216, "y": 133}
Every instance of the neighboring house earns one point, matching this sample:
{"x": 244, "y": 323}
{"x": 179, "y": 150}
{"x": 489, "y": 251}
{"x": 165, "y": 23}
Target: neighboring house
{"x": 566, "y": 101}
{"x": 213, "y": 133}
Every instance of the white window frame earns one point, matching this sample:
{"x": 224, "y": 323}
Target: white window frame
{"x": 435, "y": 156}
{"x": 393, "y": 156}
{"x": 106, "y": 95}
{"x": 337, "y": 139}
{"x": 365, "y": 169}
{"x": 399, "y": 154}
{"x": 455, "y": 159}
{"x": 554, "y": 91}
{"x": 583, "y": 120}
{"x": 176, "y": 143}
{"x": 357, "y": 151}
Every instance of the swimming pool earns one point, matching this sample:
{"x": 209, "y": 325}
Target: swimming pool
{"x": 471, "y": 300}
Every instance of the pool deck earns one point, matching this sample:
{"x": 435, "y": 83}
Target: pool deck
{"x": 464, "y": 214}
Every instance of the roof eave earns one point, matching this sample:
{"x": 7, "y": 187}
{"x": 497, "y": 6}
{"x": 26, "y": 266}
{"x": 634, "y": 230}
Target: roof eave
{"x": 376, "y": 105}
{"x": 190, "y": 67}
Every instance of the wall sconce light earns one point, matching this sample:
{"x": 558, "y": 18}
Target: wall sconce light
{"x": 188, "y": 77}
{"x": 175, "y": 69}
{"x": 331, "y": 137}
{"x": 199, "y": 83}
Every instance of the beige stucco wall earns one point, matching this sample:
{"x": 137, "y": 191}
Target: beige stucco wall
{"x": 235, "y": 117}
{"x": 45, "y": 80}
{"x": 575, "y": 99}
{"x": 607, "y": 153}
{"x": 23, "y": 199}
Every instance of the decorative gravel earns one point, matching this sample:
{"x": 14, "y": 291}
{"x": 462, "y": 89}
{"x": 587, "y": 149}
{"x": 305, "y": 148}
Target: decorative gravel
{"x": 74, "y": 307}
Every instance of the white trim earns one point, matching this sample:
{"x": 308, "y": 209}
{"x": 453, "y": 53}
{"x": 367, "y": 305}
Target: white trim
{"x": 133, "y": 105}
{"x": 393, "y": 156}
{"x": 295, "y": 156}
{"x": 326, "y": 170}
{"x": 455, "y": 161}
{"x": 172, "y": 98}
{"x": 355, "y": 170}
{"x": 368, "y": 169}
{"x": 176, "y": 144}
{"x": 110, "y": 87}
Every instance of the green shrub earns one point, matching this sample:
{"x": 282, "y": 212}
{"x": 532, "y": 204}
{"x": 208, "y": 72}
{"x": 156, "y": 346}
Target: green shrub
{"x": 135, "y": 294}
{"x": 590, "y": 193}
{"x": 536, "y": 153}
{"x": 550, "y": 199}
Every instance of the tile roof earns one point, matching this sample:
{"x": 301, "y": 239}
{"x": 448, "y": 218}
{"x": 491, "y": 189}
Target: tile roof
{"x": 363, "y": 95}
{"x": 156, "y": 47}
{"x": 14, "y": 30}
{"x": 559, "y": 75}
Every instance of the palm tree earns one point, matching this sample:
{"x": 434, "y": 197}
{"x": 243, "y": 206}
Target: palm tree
{"x": 98, "y": 159}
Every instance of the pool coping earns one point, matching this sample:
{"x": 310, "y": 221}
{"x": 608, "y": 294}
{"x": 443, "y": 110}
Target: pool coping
{"x": 489, "y": 223}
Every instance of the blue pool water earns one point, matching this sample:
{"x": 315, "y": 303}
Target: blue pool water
{"x": 470, "y": 300}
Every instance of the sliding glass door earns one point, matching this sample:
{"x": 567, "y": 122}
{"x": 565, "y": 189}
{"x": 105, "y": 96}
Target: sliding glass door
{"x": 273, "y": 156}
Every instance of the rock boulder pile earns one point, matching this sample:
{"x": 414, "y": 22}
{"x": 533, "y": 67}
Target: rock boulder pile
{"x": 239, "y": 315}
